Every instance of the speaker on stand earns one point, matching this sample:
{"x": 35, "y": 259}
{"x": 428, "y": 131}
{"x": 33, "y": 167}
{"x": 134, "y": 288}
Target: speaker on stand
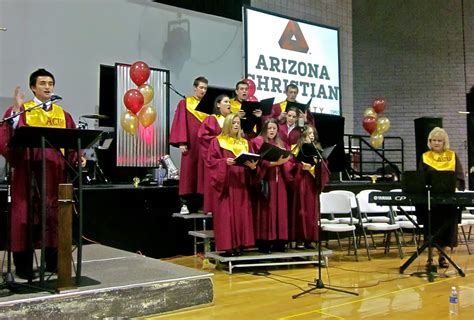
{"x": 470, "y": 135}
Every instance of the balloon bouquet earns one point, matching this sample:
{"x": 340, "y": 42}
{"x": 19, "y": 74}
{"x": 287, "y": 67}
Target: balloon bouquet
{"x": 374, "y": 124}
{"x": 138, "y": 101}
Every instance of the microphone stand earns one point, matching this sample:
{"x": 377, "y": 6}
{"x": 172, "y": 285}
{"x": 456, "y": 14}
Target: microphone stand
{"x": 38, "y": 106}
{"x": 174, "y": 90}
{"x": 318, "y": 283}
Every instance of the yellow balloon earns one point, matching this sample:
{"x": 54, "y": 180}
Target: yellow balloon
{"x": 147, "y": 92}
{"x": 147, "y": 115}
{"x": 129, "y": 122}
{"x": 376, "y": 139}
{"x": 383, "y": 124}
{"x": 370, "y": 112}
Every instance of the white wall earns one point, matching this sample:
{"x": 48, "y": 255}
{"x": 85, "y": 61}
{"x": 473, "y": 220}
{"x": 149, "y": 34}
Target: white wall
{"x": 71, "y": 38}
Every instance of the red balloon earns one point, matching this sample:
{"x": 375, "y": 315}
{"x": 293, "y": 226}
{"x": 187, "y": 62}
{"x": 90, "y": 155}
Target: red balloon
{"x": 252, "y": 99}
{"x": 133, "y": 100}
{"x": 378, "y": 105}
{"x": 139, "y": 72}
{"x": 369, "y": 124}
{"x": 252, "y": 88}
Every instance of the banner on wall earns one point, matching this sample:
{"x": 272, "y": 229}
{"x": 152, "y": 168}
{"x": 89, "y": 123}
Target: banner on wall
{"x": 281, "y": 50}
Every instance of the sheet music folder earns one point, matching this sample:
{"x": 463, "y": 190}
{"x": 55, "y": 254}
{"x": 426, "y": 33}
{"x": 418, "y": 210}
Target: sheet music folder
{"x": 440, "y": 182}
{"x": 271, "y": 152}
{"x": 30, "y": 137}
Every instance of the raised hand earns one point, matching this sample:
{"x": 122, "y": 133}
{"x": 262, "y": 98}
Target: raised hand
{"x": 18, "y": 99}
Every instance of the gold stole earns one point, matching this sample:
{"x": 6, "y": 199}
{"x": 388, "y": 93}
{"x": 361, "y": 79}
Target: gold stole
{"x": 236, "y": 146}
{"x": 191, "y": 104}
{"x": 54, "y": 118}
{"x": 283, "y": 105}
{"x": 441, "y": 161}
{"x": 220, "y": 119}
{"x": 234, "y": 105}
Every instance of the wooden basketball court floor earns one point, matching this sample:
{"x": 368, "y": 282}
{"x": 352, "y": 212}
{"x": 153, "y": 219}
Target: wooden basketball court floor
{"x": 384, "y": 293}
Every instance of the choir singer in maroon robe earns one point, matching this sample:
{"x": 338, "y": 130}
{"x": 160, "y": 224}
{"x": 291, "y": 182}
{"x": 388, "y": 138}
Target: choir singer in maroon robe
{"x": 271, "y": 213}
{"x": 184, "y": 135}
{"x": 232, "y": 214}
{"x": 211, "y": 128}
{"x": 309, "y": 181}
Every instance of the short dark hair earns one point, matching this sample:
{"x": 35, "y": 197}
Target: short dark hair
{"x": 199, "y": 80}
{"x": 239, "y": 83}
{"x": 40, "y": 73}
{"x": 292, "y": 86}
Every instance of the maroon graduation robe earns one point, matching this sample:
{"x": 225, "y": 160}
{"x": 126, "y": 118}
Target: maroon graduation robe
{"x": 291, "y": 138}
{"x": 232, "y": 215}
{"x": 209, "y": 129}
{"x": 271, "y": 214}
{"x": 19, "y": 160}
{"x": 184, "y": 130}
{"x": 305, "y": 203}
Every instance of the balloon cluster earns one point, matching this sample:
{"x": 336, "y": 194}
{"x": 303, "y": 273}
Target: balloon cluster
{"x": 374, "y": 124}
{"x": 251, "y": 90}
{"x": 138, "y": 101}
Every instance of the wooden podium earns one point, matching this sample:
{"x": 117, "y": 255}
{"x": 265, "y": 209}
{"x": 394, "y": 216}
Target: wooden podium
{"x": 59, "y": 138}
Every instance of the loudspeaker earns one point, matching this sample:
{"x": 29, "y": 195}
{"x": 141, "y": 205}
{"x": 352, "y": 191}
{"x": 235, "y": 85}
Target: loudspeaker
{"x": 423, "y": 127}
{"x": 331, "y": 132}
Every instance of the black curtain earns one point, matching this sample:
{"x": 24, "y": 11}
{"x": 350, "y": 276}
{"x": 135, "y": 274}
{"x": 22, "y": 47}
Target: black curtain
{"x": 231, "y": 9}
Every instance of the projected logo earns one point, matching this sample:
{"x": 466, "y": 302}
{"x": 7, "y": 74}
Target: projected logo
{"x": 293, "y": 39}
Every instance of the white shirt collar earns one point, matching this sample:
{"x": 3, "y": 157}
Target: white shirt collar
{"x": 47, "y": 103}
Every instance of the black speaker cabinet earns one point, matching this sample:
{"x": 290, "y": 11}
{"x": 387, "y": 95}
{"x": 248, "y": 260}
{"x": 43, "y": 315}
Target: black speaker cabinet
{"x": 331, "y": 132}
{"x": 423, "y": 127}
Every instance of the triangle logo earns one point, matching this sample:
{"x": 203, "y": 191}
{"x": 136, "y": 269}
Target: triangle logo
{"x": 293, "y": 39}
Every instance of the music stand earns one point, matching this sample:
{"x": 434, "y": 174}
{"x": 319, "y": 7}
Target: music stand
{"x": 419, "y": 186}
{"x": 42, "y": 137}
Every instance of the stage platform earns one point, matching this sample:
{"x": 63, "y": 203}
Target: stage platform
{"x": 115, "y": 283}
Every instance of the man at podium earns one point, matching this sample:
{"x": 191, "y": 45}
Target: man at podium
{"x": 25, "y": 164}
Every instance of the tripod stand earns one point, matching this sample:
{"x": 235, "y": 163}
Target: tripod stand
{"x": 443, "y": 178}
{"x": 318, "y": 283}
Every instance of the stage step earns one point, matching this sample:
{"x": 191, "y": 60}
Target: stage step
{"x": 118, "y": 284}
{"x": 253, "y": 258}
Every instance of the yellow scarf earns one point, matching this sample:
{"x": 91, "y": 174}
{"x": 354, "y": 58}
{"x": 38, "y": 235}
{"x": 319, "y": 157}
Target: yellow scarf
{"x": 236, "y": 146}
{"x": 54, "y": 118}
{"x": 283, "y": 105}
{"x": 441, "y": 161}
{"x": 191, "y": 104}
{"x": 235, "y": 105}
{"x": 220, "y": 119}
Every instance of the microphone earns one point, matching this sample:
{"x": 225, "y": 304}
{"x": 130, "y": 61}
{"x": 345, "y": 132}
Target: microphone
{"x": 55, "y": 97}
{"x": 301, "y": 122}
{"x": 3, "y": 29}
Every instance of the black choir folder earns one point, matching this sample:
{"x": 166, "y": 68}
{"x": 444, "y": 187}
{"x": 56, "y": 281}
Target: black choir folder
{"x": 250, "y": 106}
{"x": 302, "y": 106}
{"x": 271, "y": 152}
{"x": 244, "y": 157}
{"x": 309, "y": 152}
